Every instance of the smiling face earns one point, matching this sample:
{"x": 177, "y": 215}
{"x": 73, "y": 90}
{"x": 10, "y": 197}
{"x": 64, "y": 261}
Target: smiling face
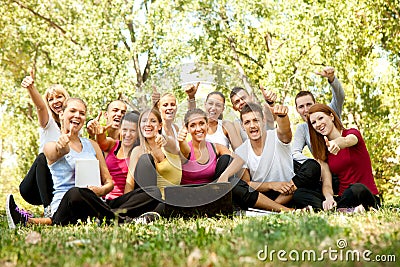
{"x": 303, "y": 105}
{"x": 149, "y": 125}
{"x": 167, "y": 107}
{"x": 129, "y": 133}
{"x": 214, "y": 106}
{"x": 55, "y": 101}
{"x": 322, "y": 123}
{"x": 74, "y": 115}
{"x": 115, "y": 111}
{"x": 197, "y": 127}
{"x": 240, "y": 99}
{"x": 254, "y": 125}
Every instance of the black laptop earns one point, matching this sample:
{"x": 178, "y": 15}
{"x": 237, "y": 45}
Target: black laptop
{"x": 209, "y": 200}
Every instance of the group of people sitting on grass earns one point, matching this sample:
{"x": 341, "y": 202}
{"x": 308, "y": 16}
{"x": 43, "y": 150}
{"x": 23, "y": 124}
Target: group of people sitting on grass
{"x": 140, "y": 154}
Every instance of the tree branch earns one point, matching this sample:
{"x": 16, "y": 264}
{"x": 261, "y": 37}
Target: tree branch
{"x": 49, "y": 21}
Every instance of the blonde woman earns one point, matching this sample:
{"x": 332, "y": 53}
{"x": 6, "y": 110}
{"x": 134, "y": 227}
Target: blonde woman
{"x": 37, "y": 186}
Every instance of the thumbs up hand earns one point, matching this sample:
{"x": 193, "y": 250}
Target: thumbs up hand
{"x": 332, "y": 146}
{"x": 28, "y": 81}
{"x": 182, "y": 134}
{"x": 161, "y": 140}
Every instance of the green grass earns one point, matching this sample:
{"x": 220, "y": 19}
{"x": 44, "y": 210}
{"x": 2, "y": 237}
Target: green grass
{"x": 205, "y": 242}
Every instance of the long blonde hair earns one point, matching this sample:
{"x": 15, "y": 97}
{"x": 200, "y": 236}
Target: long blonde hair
{"x": 59, "y": 89}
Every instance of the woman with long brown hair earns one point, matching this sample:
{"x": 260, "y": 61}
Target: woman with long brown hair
{"x": 343, "y": 152}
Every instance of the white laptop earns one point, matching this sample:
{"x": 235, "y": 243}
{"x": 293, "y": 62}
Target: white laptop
{"x": 87, "y": 173}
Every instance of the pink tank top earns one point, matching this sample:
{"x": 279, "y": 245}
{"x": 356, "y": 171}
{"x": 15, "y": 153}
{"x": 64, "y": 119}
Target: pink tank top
{"x": 118, "y": 169}
{"x": 196, "y": 173}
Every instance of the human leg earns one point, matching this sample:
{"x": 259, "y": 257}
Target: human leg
{"x": 137, "y": 202}
{"x": 222, "y": 163}
{"x": 145, "y": 172}
{"x": 37, "y": 186}
{"x": 246, "y": 197}
{"x": 358, "y": 194}
{"x": 308, "y": 175}
{"x": 80, "y": 204}
{"x": 304, "y": 197}
{"x": 44, "y": 181}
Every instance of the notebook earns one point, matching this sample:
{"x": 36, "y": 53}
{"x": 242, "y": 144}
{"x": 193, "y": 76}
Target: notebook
{"x": 87, "y": 173}
{"x": 199, "y": 200}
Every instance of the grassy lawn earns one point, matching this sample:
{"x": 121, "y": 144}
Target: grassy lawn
{"x": 237, "y": 241}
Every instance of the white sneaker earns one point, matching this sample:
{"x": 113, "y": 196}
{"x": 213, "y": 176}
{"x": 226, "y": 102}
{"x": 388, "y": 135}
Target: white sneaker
{"x": 47, "y": 211}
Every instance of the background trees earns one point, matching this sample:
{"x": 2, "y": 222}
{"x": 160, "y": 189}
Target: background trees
{"x": 102, "y": 50}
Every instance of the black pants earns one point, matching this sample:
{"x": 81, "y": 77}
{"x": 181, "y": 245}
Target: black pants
{"x": 307, "y": 175}
{"x": 242, "y": 194}
{"x": 353, "y": 196}
{"x": 37, "y": 186}
{"x": 83, "y": 203}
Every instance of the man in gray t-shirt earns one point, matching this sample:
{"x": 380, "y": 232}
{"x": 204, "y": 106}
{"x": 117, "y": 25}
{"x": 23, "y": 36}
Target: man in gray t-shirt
{"x": 304, "y": 100}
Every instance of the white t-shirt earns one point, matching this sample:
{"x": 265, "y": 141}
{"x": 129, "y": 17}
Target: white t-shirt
{"x": 275, "y": 164}
{"x": 50, "y": 133}
{"x": 219, "y": 136}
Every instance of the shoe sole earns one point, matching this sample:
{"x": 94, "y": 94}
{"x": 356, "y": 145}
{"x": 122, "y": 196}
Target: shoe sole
{"x": 10, "y": 221}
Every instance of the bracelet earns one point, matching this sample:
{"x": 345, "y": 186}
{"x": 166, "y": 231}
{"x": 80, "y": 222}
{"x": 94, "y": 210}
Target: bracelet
{"x": 282, "y": 116}
{"x": 270, "y": 102}
{"x": 192, "y": 100}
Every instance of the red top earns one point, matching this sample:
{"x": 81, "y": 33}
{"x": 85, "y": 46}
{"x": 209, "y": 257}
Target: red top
{"x": 353, "y": 164}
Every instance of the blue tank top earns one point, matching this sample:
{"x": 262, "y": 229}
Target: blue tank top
{"x": 63, "y": 171}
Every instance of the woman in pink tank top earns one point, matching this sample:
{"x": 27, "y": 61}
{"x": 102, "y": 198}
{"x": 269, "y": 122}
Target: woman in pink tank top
{"x": 204, "y": 162}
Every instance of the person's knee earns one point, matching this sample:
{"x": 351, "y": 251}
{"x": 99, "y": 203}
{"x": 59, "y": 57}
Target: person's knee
{"x": 358, "y": 188}
{"x": 74, "y": 195}
{"x": 153, "y": 191}
{"x": 225, "y": 159}
{"x": 314, "y": 167}
{"x": 41, "y": 159}
{"x": 146, "y": 160}
{"x": 244, "y": 196}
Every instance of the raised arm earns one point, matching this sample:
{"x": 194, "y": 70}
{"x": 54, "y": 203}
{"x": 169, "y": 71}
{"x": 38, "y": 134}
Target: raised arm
{"x": 183, "y": 145}
{"x": 105, "y": 143}
{"x": 191, "y": 93}
{"x": 170, "y": 138}
{"x": 42, "y": 112}
{"x": 232, "y": 134}
{"x": 337, "y": 89}
{"x": 334, "y": 146}
{"x": 284, "y": 131}
{"x": 299, "y": 142}
{"x": 130, "y": 179}
{"x": 56, "y": 150}
{"x": 270, "y": 99}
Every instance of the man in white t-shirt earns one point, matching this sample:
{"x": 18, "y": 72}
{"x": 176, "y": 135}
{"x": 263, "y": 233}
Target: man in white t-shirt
{"x": 268, "y": 166}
